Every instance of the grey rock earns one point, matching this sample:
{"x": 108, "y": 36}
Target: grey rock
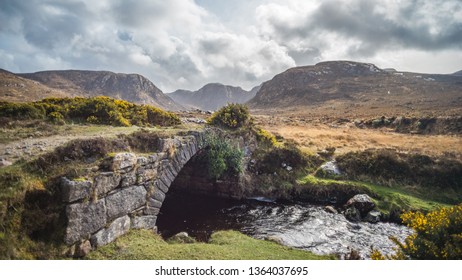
{"x": 142, "y": 161}
{"x": 145, "y": 174}
{"x": 331, "y": 167}
{"x": 145, "y": 222}
{"x": 117, "y": 228}
{"x": 75, "y": 190}
{"x": 82, "y": 249}
{"x": 158, "y": 195}
{"x": 352, "y": 214}
{"x": 83, "y": 220}
{"x": 373, "y": 216}
{"x": 152, "y": 203}
{"x": 125, "y": 201}
{"x": 4, "y": 162}
{"x": 106, "y": 182}
{"x": 128, "y": 179}
{"x": 151, "y": 211}
{"x": 124, "y": 161}
{"x": 362, "y": 202}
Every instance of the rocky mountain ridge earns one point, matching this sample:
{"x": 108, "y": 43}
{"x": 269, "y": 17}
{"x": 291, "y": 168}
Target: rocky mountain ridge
{"x": 346, "y": 87}
{"x": 131, "y": 87}
{"x": 212, "y": 96}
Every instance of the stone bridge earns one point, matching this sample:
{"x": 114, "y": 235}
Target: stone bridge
{"x": 126, "y": 193}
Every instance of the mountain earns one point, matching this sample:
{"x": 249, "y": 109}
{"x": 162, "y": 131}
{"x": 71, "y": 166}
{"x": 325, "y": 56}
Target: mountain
{"x": 341, "y": 88}
{"x": 17, "y": 89}
{"x": 458, "y": 73}
{"x": 212, "y": 96}
{"x": 131, "y": 87}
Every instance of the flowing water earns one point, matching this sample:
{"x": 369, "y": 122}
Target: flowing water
{"x": 296, "y": 225}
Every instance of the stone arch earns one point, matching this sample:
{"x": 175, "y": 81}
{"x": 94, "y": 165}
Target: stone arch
{"x": 128, "y": 195}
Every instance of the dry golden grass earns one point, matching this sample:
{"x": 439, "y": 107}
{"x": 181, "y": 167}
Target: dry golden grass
{"x": 345, "y": 138}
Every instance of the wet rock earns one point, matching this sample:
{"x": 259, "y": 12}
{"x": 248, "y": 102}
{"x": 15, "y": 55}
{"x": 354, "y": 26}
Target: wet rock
{"x": 145, "y": 222}
{"x": 275, "y": 239}
{"x": 75, "y": 190}
{"x": 83, "y": 220}
{"x": 331, "y": 168}
{"x": 362, "y": 202}
{"x": 125, "y": 201}
{"x": 330, "y": 209}
{"x": 123, "y": 161}
{"x": 352, "y": 214}
{"x": 373, "y": 216}
{"x": 117, "y": 228}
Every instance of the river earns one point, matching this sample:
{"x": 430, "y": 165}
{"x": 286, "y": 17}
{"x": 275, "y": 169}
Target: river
{"x": 298, "y": 225}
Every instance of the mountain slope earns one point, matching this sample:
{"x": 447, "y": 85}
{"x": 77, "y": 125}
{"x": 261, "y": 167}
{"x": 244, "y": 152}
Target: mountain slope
{"x": 212, "y": 96}
{"x": 17, "y": 89}
{"x": 352, "y": 88}
{"x": 131, "y": 87}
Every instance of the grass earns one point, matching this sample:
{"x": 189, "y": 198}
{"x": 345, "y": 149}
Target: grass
{"x": 314, "y": 136}
{"x": 387, "y": 199}
{"x": 223, "y": 245}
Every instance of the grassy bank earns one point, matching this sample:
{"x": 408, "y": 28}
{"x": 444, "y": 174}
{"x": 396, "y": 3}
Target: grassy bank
{"x": 223, "y": 245}
{"x": 389, "y": 200}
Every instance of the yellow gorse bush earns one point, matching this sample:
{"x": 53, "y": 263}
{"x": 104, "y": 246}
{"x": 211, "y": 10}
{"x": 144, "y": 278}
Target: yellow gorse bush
{"x": 438, "y": 235}
{"x": 95, "y": 110}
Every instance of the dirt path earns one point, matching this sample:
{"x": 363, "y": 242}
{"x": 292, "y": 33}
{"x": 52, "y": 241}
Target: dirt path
{"x": 32, "y": 147}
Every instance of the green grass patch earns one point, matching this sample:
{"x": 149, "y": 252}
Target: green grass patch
{"x": 223, "y": 245}
{"x": 389, "y": 200}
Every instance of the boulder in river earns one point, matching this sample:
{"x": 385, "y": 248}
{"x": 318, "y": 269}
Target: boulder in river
{"x": 362, "y": 202}
{"x": 352, "y": 214}
{"x": 373, "y": 216}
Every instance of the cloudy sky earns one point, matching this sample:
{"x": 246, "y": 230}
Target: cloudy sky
{"x": 188, "y": 43}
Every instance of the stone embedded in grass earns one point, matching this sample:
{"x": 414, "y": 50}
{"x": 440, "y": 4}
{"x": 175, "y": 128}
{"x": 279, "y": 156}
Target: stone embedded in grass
{"x": 144, "y": 222}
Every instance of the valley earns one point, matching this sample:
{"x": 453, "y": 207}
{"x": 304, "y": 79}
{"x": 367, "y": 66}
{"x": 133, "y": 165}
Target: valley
{"x": 286, "y": 157}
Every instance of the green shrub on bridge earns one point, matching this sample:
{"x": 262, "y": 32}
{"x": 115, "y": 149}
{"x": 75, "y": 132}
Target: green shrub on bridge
{"x": 221, "y": 157}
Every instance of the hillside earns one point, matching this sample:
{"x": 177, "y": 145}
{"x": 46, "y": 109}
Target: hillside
{"x": 212, "y": 96}
{"x": 352, "y": 89}
{"x": 16, "y": 89}
{"x": 131, "y": 87}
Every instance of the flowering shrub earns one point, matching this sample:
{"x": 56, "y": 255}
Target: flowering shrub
{"x": 231, "y": 116}
{"x": 95, "y": 110}
{"x": 438, "y": 235}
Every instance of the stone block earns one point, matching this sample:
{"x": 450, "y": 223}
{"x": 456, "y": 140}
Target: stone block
{"x": 145, "y": 174}
{"x": 83, "y": 220}
{"x": 124, "y": 161}
{"x": 125, "y": 201}
{"x": 117, "y": 228}
{"x": 152, "y": 203}
{"x": 75, "y": 190}
{"x": 142, "y": 161}
{"x": 145, "y": 222}
{"x": 106, "y": 182}
{"x": 128, "y": 179}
